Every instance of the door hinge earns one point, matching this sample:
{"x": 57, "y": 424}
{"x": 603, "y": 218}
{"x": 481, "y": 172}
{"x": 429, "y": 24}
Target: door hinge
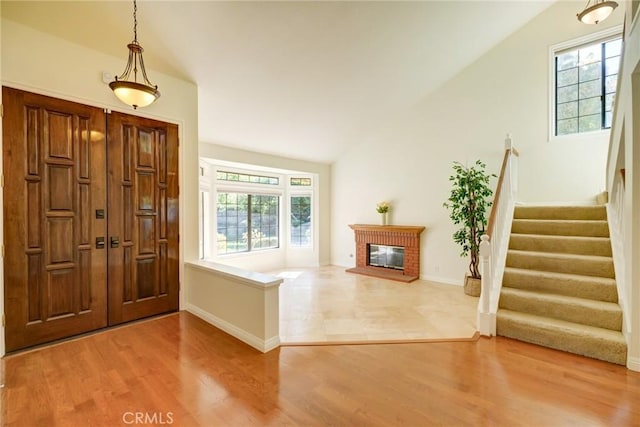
{"x": 2, "y": 251}
{"x": 3, "y": 320}
{"x": 1, "y": 110}
{"x": 2, "y": 180}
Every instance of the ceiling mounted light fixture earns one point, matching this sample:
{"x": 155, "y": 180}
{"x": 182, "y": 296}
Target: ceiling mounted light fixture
{"x": 598, "y": 11}
{"x": 131, "y": 92}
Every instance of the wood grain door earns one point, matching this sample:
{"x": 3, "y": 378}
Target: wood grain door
{"x": 54, "y": 170}
{"x": 143, "y": 217}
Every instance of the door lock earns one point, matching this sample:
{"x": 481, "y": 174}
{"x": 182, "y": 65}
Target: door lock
{"x": 115, "y": 241}
{"x": 99, "y": 242}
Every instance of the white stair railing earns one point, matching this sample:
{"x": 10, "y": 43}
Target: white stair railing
{"x": 623, "y": 184}
{"x": 494, "y": 244}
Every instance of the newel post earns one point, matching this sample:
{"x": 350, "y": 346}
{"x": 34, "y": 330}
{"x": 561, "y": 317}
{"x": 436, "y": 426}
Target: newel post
{"x": 508, "y": 142}
{"x": 484, "y": 315}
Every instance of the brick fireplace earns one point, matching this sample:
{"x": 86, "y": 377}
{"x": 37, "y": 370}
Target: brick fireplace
{"x": 404, "y": 236}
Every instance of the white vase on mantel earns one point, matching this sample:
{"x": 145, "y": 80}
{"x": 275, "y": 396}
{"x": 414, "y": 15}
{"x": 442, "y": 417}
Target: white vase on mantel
{"x": 384, "y": 217}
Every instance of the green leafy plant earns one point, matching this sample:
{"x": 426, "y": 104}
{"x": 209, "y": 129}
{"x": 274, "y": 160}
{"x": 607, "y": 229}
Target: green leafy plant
{"x": 468, "y": 205}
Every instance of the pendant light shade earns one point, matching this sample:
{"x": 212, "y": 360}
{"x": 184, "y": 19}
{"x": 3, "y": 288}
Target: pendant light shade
{"x": 598, "y": 11}
{"x": 130, "y": 91}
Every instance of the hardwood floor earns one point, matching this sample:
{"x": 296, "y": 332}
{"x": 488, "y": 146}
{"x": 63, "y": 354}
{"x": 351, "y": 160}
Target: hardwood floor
{"x": 179, "y": 370}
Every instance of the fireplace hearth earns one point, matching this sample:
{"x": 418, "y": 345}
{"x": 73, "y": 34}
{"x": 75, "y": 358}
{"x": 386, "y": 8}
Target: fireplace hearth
{"x": 399, "y": 258}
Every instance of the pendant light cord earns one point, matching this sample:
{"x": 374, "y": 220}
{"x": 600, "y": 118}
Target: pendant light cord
{"x": 135, "y": 21}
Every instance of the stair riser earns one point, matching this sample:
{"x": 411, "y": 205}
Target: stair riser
{"x": 534, "y": 306}
{"x": 559, "y": 228}
{"x": 608, "y": 319}
{"x": 560, "y": 245}
{"x": 613, "y": 352}
{"x": 587, "y": 267}
{"x": 561, "y": 212}
{"x": 569, "y": 287}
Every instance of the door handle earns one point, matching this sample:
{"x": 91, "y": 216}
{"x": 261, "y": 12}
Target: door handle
{"x": 99, "y": 242}
{"x": 115, "y": 242}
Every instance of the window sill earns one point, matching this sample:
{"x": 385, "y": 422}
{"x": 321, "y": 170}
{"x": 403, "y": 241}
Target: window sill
{"x": 247, "y": 254}
{"x": 598, "y": 135}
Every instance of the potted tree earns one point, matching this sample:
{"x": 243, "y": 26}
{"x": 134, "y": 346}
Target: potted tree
{"x": 468, "y": 203}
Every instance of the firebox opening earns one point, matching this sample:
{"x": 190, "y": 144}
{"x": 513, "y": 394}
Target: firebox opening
{"x": 386, "y": 256}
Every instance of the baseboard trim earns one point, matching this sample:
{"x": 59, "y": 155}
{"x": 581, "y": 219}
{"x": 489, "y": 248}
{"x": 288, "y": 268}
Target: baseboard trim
{"x": 248, "y": 338}
{"x": 633, "y": 363}
{"x": 440, "y": 279}
{"x": 271, "y": 344}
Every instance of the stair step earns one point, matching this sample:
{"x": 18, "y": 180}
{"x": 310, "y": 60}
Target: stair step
{"x": 591, "y": 228}
{"x": 597, "y": 212}
{"x": 601, "y": 314}
{"x": 590, "y": 341}
{"x": 580, "y": 245}
{"x": 589, "y": 287}
{"x": 588, "y": 265}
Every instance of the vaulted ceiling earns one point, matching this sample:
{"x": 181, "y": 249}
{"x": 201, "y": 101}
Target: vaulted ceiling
{"x": 299, "y": 79}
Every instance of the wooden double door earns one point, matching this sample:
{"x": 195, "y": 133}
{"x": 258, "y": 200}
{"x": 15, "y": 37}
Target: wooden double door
{"x": 90, "y": 218}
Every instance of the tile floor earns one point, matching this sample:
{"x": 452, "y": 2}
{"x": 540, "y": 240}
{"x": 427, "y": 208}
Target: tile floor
{"x": 327, "y": 304}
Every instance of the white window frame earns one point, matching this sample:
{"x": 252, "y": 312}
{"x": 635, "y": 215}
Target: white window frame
{"x": 600, "y": 36}
{"x": 301, "y": 191}
{"x": 246, "y": 188}
{"x": 204, "y": 244}
{"x": 209, "y": 183}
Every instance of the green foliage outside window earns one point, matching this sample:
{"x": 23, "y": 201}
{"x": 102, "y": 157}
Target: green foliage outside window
{"x": 247, "y": 222}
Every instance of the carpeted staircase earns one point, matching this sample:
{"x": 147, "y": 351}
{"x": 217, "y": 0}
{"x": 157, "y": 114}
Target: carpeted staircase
{"x": 559, "y": 286}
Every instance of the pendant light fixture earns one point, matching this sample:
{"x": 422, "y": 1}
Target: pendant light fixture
{"x": 131, "y": 92}
{"x": 598, "y": 11}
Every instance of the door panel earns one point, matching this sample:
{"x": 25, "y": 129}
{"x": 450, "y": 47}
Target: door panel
{"x": 143, "y": 217}
{"x": 54, "y": 162}
{"x": 66, "y": 187}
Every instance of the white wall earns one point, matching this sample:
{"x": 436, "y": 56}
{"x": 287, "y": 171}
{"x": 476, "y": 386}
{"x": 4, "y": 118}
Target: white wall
{"x": 273, "y": 260}
{"x": 35, "y": 61}
{"x": 407, "y": 159}
{"x": 245, "y": 305}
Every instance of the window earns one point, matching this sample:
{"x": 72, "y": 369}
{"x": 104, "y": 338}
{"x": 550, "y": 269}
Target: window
{"x": 245, "y": 210}
{"x": 585, "y": 79}
{"x": 300, "y": 233}
{"x": 300, "y": 182}
{"x": 300, "y": 212}
{"x": 246, "y": 222}
{"x": 204, "y": 213}
{"x": 205, "y": 239}
{"x": 245, "y": 177}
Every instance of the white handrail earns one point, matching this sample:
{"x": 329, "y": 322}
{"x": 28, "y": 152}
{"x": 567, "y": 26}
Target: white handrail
{"x": 494, "y": 244}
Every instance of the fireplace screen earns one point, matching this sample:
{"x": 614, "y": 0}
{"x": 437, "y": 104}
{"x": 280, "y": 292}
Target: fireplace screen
{"x": 386, "y": 256}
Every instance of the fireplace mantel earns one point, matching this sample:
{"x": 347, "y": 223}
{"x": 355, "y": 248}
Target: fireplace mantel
{"x": 408, "y": 229}
{"x": 406, "y": 236}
